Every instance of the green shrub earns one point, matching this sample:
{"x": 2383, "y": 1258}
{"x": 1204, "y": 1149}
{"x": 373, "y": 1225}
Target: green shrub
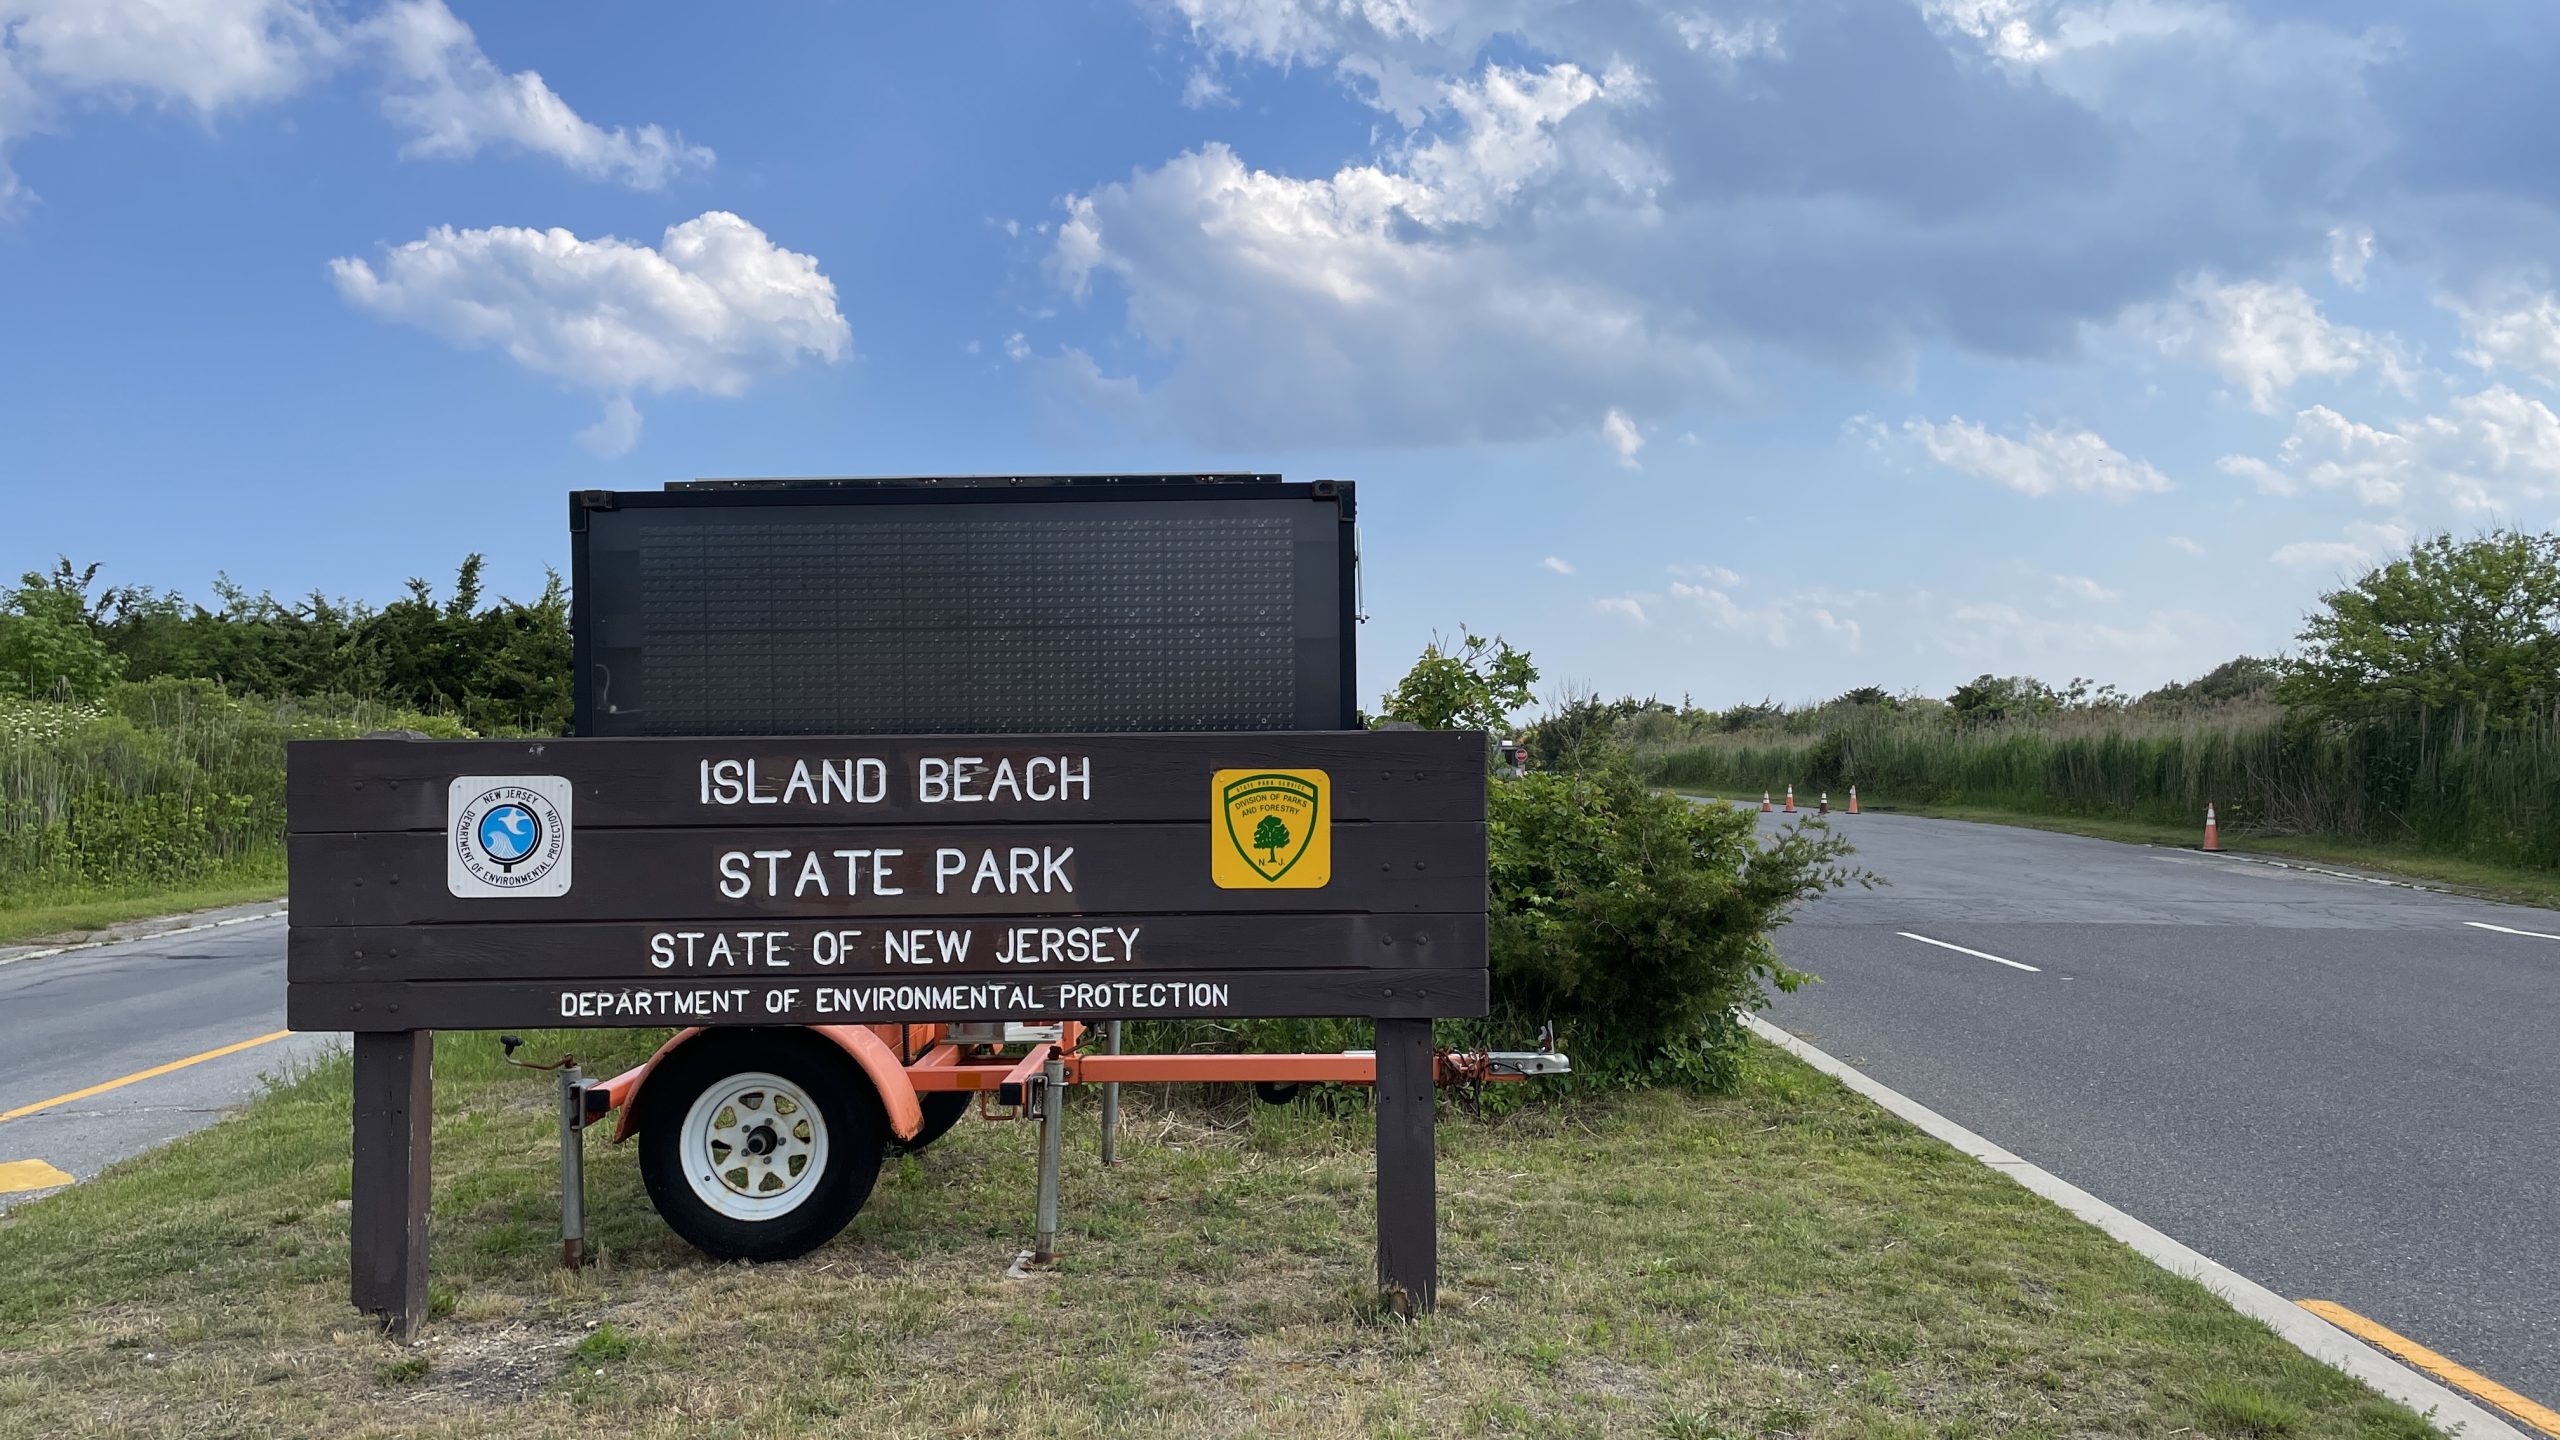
{"x": 1639, "y": 923}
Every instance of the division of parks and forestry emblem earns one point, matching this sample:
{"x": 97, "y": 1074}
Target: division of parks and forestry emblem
{"x": 507, "y": 835}
{"x": 1271, "y": 829}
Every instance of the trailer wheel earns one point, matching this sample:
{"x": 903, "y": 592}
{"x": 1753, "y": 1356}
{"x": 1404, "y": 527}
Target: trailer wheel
{"x": 761, "y": 1144}
{"x": 942, "y": 1110}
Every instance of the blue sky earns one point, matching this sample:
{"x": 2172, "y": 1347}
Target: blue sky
{"x": 1717, "y": 348}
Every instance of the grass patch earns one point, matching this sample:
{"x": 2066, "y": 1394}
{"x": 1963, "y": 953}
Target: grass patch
{"x": 2514, "y": 883}
{"x": 71, "y": 913}
{"x": 1786, "y": 1261}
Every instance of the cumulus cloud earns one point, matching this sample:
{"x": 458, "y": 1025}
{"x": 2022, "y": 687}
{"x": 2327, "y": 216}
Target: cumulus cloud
{"x": 1712, "y": 574}
{"x": 2081, "y": 587}
{"x": 1727, "y": 186}
{"x": 2045, "y": 460}
{"x": 1202, "y": 90}
{"x": 2263, "y": 338}
{"x": 2185, "y": 546}
{"x": 1377, "y": 305}
{"x": 713, "y": 308}
{"x": 2350, "y": 252}
{"x": 1558, "y": 564}
{"x": 2514, "y": 324}
{"x": 1625, "y": 607}
{"x": 454, "y": 101}
{"x": 1777, "y": 623}
{"x": 2366, "y": 545}
{"x": 212, "y": 56}
{"x": 2484, "y": 452}
{"x": 1623, "y": 437}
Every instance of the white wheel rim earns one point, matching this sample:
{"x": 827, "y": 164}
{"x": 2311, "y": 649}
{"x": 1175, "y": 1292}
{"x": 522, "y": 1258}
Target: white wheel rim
{"x": 754, "y": 1146}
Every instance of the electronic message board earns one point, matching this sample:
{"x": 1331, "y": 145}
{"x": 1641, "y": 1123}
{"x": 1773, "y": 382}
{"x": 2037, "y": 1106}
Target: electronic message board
{"x": 1004, "y": 604}
{"x": 484, "y": 884}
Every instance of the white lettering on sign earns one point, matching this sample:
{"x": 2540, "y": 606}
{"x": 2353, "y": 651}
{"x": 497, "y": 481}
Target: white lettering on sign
{"x": 864, "y": 780}
{"x": 925, "y": 947}
{"x": 866, "y": 872}
{"x": 1074, "y": 997}
{"x": 653, "y": 1004}
{"x": 1017, "y": 870}
{"x": 747, "y": 949}
{"x": 1067, "y": 945}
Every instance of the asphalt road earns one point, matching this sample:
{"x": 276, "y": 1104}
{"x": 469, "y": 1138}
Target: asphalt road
{"x": 88, "y": 1017}
{"x": 2341, "y": 1089}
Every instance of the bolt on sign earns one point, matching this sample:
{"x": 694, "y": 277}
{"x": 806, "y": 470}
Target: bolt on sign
{"x": 856, "y": 753}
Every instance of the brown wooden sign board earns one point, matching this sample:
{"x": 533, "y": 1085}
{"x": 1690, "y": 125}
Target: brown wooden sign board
{"x": 884, "y": 879}
{"x": 878, "y": 880}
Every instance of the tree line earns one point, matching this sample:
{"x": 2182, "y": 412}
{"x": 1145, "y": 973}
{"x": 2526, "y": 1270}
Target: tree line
{"x": 498, "y": 665}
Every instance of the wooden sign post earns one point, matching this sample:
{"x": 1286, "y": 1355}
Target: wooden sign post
{"x": 879, "y": 880}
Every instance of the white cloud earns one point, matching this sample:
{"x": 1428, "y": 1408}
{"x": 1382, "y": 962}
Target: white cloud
{"x": 206, "y": 54}
{"x": 2264, "y": 338}
{"x": 1730, "y": 41}
{"x": 716, "y": 306}
{"x": 2484, "y": 452}
{"x": 2515, "y": 324}
{"x": 1776, "y": 623}
{"x": 214, "y": 56}
{"x": 2185, "y": 546}
{"x": 1558, "y": 565}
{"x": 616, "y": 431}
{"x": 2350, "y": 251}
{"x": 2008, "y": 636}
{"x": 1624, "y": 606}
{"x": 2366, "y": 545}
{"x": 1623, "y": 437}
{"x": 2081, "y": 587}
{"x": 2046, "y": 460}
{"x": 1202, "y": 89}
{"x": 1377, "y": 306}
{"x": 1016, "y": 348}
{"x": 454, "y": 100}
{"x": 1712, "y": 574}
{"x": 1746, "y": 190}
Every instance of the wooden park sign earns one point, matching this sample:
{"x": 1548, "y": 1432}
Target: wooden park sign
{"x": 873, "y": 879}
{"x": 884, "y": 880}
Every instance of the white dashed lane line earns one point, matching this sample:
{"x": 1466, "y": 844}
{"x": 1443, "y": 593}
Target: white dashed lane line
{"x": 1977, "y": 954}
{"x": 2503, "y": 930}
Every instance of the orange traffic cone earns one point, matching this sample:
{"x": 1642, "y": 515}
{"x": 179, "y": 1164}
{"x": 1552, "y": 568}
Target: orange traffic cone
{"x": 1826, "y": 804}
{"x": 2212, "y": 832}
{"x": 1853, "y": 799}
{"x": 1764, "y": 802}
{"x": 1791, "y": 799}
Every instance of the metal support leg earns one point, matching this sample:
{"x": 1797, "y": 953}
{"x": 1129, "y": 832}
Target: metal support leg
{"x": 573, "y": 1167}
{"x": 1111, "y": 1101}
{"x": 1053, "y": 1124}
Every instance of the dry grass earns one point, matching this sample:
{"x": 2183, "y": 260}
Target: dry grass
{"x": 1785, "y": 1262}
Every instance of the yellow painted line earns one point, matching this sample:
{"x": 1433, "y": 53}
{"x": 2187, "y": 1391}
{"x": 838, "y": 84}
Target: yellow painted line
{"x": 2461, "y": 1377}
{"x": 137, "y": 1076}
{"x": 17, "y": 1175}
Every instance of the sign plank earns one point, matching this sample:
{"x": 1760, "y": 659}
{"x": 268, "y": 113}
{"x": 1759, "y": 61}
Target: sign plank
{"x": 495, "y": 1004}
{"x": 344, "y": 786}
{"x": 374, "y": 878}
{"x": 1095, "y": 946}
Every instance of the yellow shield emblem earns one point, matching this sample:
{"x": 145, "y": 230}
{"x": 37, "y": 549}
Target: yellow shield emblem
{"x": 1271, "y": 829}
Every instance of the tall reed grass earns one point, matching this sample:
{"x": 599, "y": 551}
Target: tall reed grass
{"x": 161, "y": 784}
{"x": 2434, "y": 782}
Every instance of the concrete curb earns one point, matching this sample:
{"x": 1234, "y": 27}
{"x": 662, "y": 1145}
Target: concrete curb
{"x": 2447, "y": 1409}
{"x": 151, "y": 929}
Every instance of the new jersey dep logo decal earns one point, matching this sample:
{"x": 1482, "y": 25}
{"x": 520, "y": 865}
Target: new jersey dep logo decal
{"x": 1271, "y": 829}
{"x": 507, "y": 835}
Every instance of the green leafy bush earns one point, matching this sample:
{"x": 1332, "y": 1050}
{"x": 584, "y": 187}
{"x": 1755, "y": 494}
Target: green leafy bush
{"x": 1636, "y": 923}
{"x": 1639, "y": 923}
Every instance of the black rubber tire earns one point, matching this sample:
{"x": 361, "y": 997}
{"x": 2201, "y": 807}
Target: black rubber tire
{"x": 844, "y": 1099}
{"x": 942, "y": 1110}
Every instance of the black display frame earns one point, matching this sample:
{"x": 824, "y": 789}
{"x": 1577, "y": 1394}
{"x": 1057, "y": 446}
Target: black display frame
{"x": 1210, "y": 488}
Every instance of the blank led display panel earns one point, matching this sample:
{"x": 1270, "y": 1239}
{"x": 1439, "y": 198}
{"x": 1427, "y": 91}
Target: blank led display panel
{"x": 888, "y": 608}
